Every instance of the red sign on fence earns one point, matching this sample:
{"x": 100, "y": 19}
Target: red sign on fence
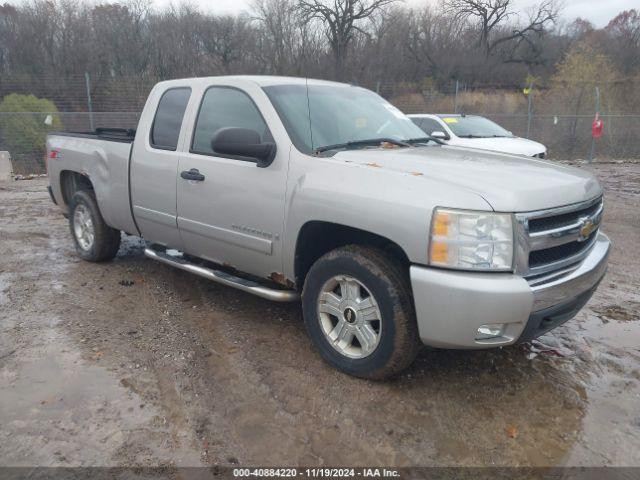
{"x": 596, "y": 127}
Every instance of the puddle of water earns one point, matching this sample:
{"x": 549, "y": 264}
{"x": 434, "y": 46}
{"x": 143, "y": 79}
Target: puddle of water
{"x": 608, "y": 366}
{"x": 56, "y": 409}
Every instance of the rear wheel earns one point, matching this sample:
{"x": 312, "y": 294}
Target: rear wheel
{"x": 95, "y": 241}
{"x": 359, "y": 312}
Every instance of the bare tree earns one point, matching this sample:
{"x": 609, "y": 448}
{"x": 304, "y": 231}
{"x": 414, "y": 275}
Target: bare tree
{"x": 341, "y": 20}
{"x": 283, "y": 35}
{"x": 223, "y": 40}
{"x": 624, "y": 31}
{"x": 121, "y": 30}
{"x": 9, "y": 23}
{"x": 488, "y": 16}
{"x": 436, "y": 39}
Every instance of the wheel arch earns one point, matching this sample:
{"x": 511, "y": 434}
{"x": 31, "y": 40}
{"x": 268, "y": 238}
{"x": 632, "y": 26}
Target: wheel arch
{"x": 72, "y": 182}
{"x": 316, "y": 238}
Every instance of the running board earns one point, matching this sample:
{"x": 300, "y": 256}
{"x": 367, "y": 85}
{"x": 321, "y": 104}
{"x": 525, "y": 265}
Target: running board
{"x": 224, "y": 278}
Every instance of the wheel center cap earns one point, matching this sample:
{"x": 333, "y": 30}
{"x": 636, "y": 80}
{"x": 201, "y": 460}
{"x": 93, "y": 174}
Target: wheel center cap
{"x": 349, "y": 315}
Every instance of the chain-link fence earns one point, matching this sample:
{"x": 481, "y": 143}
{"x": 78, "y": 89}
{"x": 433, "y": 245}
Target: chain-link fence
{"x": 32, "y": 106}
{"x": 23, "y": 133}
{"x": 568, "y": 137}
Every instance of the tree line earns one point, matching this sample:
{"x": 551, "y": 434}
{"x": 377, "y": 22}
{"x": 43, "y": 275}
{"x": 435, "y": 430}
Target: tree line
{"x": 478, "y": 42}
{"x": 412, "y": 55}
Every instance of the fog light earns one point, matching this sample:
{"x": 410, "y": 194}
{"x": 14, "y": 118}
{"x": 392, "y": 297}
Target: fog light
{"x": 486, "y": 332}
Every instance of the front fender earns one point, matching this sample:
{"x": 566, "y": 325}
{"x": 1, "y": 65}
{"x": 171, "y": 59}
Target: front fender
{"x": 391, "y": 204}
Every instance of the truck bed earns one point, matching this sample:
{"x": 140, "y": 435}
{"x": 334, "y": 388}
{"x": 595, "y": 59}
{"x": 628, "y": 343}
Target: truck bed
{"x": 103, "y": 157}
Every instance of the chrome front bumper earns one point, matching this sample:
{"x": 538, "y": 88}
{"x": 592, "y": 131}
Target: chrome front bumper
{"x": 554, "y": 289}
{"x": 451, "y": 306}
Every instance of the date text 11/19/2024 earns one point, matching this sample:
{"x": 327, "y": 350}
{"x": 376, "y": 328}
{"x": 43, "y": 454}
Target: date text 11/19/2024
{"x": 316, "y": 472}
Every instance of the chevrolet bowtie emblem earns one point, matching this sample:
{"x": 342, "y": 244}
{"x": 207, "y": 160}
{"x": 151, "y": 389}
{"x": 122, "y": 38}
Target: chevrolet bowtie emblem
{"x": 586, "y": 229}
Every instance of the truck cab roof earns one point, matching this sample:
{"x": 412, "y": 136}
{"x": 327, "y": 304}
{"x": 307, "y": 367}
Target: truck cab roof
{"x": 260, "y": 80}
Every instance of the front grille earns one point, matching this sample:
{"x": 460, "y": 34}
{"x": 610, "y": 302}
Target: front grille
{"x": 554, "y": 254}
{"x": 551, "y": 240}
{"x": 562, "y": 220}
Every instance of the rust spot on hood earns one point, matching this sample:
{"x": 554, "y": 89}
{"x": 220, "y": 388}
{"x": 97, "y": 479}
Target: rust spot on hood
{"x": 416, "y": 174}
{"x": 373, "y": 164}
{"x": 280, "y": 279}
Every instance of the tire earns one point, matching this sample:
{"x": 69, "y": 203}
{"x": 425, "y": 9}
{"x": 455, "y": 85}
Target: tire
{"x": 382, "y": 282}
{"x": 100, "y": 242}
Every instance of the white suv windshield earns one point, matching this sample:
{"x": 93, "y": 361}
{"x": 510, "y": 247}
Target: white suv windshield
{"x": 474, "y": 127}
{"x": 317, "y": 116}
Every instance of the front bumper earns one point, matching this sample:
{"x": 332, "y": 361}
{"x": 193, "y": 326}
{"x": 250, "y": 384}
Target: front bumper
{"x": 451, "y": 306}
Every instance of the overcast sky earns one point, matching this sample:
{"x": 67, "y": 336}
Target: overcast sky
{"x": 599, "y": 12}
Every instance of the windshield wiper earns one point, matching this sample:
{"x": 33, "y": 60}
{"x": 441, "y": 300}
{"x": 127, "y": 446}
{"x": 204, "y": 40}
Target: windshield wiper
{"x": 413, "y": 141}
{"x": 472, "y": 136}
{"x": 362, "y": 143}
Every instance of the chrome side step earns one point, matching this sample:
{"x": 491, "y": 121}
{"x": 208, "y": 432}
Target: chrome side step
{"x": 223, "y": 277}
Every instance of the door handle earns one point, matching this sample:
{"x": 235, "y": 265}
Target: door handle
{"x": 192, "y": 174}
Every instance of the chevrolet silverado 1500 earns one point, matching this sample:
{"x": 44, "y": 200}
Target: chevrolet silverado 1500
{"x": 303, "y": 189}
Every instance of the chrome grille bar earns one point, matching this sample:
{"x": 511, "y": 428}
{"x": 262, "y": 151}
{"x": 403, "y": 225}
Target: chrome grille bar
{"x": 561, "y": 235}
{"x": 582, "y": 228}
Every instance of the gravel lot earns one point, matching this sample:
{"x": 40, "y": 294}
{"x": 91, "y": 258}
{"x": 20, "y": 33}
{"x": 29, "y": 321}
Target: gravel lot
{"x": 134, "y": 363}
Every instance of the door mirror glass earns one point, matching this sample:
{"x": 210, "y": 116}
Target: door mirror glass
{"x": 245, "y": 143}
{"x": 439, "y": 134}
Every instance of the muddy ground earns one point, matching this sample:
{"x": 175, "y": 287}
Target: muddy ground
{"x": 135, "y": 363}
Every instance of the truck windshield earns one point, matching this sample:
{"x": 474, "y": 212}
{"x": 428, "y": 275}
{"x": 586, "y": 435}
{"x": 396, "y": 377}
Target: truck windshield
{"x": 474, "y": 127}
{"x": 318, "y": 116}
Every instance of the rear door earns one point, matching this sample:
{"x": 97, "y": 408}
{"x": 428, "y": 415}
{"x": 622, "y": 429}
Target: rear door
{"x": 154, "y": 165}
{"x": 233, "y": 214}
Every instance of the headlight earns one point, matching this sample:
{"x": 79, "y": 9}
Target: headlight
{"x": 468, "y": 240}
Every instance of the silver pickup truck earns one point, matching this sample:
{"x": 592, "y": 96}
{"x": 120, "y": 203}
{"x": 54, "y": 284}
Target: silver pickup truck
{"x": 304, "y": 189}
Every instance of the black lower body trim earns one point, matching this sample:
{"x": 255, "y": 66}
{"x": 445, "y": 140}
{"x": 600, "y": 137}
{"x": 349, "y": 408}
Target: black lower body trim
{"x": 542, "y": 321}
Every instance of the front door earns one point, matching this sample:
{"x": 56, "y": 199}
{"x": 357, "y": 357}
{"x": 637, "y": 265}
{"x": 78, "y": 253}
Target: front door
{"x": 230, "y": 211}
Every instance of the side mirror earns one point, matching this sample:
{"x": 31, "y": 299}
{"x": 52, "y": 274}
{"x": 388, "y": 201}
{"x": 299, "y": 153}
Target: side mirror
{"x": 245, "y": 143}
{"x": 440, "y": 135}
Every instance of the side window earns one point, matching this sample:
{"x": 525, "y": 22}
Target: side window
{"x": 168, "y": 120}
{"x": 226, "y": 107}
{"x": 417, "y": 121}
{"x": 430, "y": 125}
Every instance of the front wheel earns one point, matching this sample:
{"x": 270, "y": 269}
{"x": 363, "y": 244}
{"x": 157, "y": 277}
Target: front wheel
{"x": 95, "y": 240}
{"x": 359, "y": 312}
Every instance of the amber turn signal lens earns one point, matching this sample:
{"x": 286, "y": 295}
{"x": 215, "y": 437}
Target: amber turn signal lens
{"x": 439, "y": 252}
{"x": 440, "y": 224}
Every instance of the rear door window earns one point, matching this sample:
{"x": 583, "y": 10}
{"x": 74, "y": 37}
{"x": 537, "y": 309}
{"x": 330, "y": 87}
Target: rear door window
{"x": 168, "y": 120}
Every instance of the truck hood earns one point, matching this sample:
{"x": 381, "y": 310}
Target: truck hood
{"x": 508, "y": 183}
{"x": 513, "y": 145}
